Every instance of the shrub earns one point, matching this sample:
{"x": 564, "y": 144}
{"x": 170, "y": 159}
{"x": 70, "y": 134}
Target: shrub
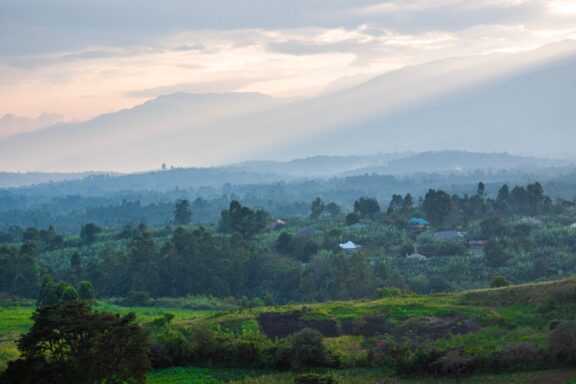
{"x": 516, "y": 355}
{"x": 562, "y": 342}
{"x": 499, "y": 282}
{"x": 455, "y": 363}
{"x": 388, "y": 354}
{"x": 308, "y": 350}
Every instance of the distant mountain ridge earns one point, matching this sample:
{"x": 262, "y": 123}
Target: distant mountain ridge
{"x": 517, "y": 103}
{"x": 315, "y": 167}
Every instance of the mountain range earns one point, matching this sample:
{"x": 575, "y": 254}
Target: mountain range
{"x": 521, "y": 103}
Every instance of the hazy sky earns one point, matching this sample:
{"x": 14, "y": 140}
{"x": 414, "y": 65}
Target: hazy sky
{"x": 81, "y": 58}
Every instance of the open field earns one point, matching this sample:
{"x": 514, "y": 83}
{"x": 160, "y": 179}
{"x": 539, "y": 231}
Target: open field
{"x": 477, "y": 323}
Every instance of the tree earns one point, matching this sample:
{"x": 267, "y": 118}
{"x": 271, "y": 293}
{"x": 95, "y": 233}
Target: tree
{"x": 70, "y": 294}
{"x": 89, "y": 233}
{"x": 48, "y": 295}
{"x": 437, "y": 205}
{"x": 366, "y": 207}
{"x": 495, "y": 252}
{"x": 284, "y": 243}
{"x": 317, "y": 208}
{"x": 395, "y": 204}
{"x": 352, "y": 218}
{"x": 243, "y": 220}
{"x": 86, "y": 291}
{"x": 481, "y": 191}
{"x": 333, "y": 209}
{"x": 499, "y": 282}
{"x": 182, "y": 213}
{"x": 407, "y": 203}
{"x": 492, "y": 227}
{"x": 69, "y": 343}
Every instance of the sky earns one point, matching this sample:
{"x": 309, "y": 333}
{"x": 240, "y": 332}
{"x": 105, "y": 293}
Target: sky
{"x": 76, "y": 59}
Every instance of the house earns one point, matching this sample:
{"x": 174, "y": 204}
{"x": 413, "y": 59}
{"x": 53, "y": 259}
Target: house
{"x": 418, "y": 221}
{"x": 477, "y": 243}
{"x": 350, "y": 246}
{"x": 359, "y": 226}
{"x": 448, "y": 235}
{"x": 573, "y": 226}
{"x": 276, "y": 224}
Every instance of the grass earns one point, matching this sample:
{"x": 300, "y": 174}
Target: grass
{"x": 367, "y": 376}
{"x": 507, "y": 315}
{"x": 182, "y": 375}
{"x": 15, "y": 320}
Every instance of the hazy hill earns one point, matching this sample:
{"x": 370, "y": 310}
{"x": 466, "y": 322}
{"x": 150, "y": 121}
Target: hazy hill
{"x": 458, "y": 162}
{"x": 270, "y": 172}
{"x": 518, "y": 103}
{"x": 112, "y": 140}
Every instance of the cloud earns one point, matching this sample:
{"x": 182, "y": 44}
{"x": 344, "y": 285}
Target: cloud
{"x": 81, "y": 58}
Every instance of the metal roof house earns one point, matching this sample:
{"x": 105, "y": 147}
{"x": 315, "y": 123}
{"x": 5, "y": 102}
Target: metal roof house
{"x": 418, "y": 221}
{"x": 350, "y": 246}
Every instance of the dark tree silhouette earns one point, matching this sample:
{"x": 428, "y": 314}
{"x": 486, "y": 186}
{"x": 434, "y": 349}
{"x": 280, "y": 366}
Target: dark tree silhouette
{"x": 69, "y": 343}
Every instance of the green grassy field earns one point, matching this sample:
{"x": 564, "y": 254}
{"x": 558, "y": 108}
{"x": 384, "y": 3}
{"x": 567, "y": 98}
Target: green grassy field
{"x": 15, "y": 320}
{"x": 190, "y": 375}
{"x": 503, "y": 316}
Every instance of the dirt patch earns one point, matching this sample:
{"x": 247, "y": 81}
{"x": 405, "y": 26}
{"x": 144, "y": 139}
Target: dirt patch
{"x": 280, "y": 325}
{"x": 365, "y": 326}
{"x": 432, "y": 327}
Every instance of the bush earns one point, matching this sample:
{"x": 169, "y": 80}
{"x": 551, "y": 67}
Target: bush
{"x": 516, "y": 356}
{"x": 562, "y": 342}
{"x": 388, "y": 354}
{"x": 455, "y": 363}
{"x": 308, "y": 350}
{"x": 313, "y": 378}
{"x": 499, "y": 282}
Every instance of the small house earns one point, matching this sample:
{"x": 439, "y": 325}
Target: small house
{"x": 573, "y": 226}
{"x": 418, "y": 221}
{"x": 350, "y": 246}
{"x": 476, "y": 244}
{"x": 276, "y": 224}
{"x": 448, "y": 235}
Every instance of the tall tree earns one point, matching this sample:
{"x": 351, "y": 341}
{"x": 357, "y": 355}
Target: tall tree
{"x": 89, "y": 232}
{"x": 366, "y": 207}
{"x": 437, "y": 205}
{"x": 182, "y": 213}
{"x": 317, "y": 208}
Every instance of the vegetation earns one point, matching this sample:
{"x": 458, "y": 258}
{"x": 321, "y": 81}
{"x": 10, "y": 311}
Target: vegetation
{"x": 262, "y": 294}
{"x": 68, "y": 343}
